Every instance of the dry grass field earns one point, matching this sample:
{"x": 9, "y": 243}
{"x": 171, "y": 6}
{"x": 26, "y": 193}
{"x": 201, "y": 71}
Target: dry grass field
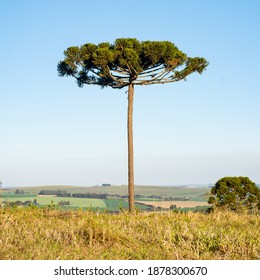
{"x": 46, "y": 234}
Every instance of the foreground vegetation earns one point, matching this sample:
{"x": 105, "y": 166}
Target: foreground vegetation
{"x": 43, "y": 233}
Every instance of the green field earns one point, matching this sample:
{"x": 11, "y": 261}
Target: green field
{"x": 74, "y": 202}
{"x": 118, "y": 204}
{"x": 84, "y": 203}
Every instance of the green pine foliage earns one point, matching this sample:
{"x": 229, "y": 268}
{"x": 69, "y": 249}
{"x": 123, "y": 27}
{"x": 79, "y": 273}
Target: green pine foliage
{"x": 235, "y": 192}
{"x": 128, "y": 61}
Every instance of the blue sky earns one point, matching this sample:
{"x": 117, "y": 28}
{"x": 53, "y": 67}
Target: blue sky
{"x": 192, "y": 132}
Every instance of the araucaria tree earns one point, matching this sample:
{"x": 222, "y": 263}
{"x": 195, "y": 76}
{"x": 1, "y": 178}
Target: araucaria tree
{"x": 234, "y": 193}
{"x": 128, "y": 63}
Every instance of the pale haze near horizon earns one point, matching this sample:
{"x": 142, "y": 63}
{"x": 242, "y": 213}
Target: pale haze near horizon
{"x": 191, "y": 132}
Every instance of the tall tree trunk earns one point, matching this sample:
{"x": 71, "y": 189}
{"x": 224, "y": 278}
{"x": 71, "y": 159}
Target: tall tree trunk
{"x": 130, "y": 147}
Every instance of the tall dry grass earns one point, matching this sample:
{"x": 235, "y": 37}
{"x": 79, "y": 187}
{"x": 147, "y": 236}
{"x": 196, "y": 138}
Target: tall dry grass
{"x": 42, "y": 234}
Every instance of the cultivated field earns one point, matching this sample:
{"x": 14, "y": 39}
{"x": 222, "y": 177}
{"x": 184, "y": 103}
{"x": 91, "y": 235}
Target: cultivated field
{"x": 74, "y": 202}
{"x": 123, "y": 190}
{"x": 178, "y": 204}
{"x": 149, "y": 197}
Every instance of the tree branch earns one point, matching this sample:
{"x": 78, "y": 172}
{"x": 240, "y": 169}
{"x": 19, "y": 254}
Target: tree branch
{"x": 153, "y": 69}
{"x": 158, "y": 81}
{"x": 120, "y": 69}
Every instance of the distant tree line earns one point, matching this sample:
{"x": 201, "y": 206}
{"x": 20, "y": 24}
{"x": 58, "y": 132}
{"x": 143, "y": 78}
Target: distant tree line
{"x": 60, "y": 193}
{"x": 90, "y": 195}
{"x": 21, "y": 203}
{"x": 159, "y": 197}
{"x": 18, "y": 191}
{"x": 168, "y": 198}
{"x": 56, "y": 193}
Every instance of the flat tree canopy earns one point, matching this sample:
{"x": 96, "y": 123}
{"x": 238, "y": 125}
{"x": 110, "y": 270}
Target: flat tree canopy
{"x": 128, "y": 61}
